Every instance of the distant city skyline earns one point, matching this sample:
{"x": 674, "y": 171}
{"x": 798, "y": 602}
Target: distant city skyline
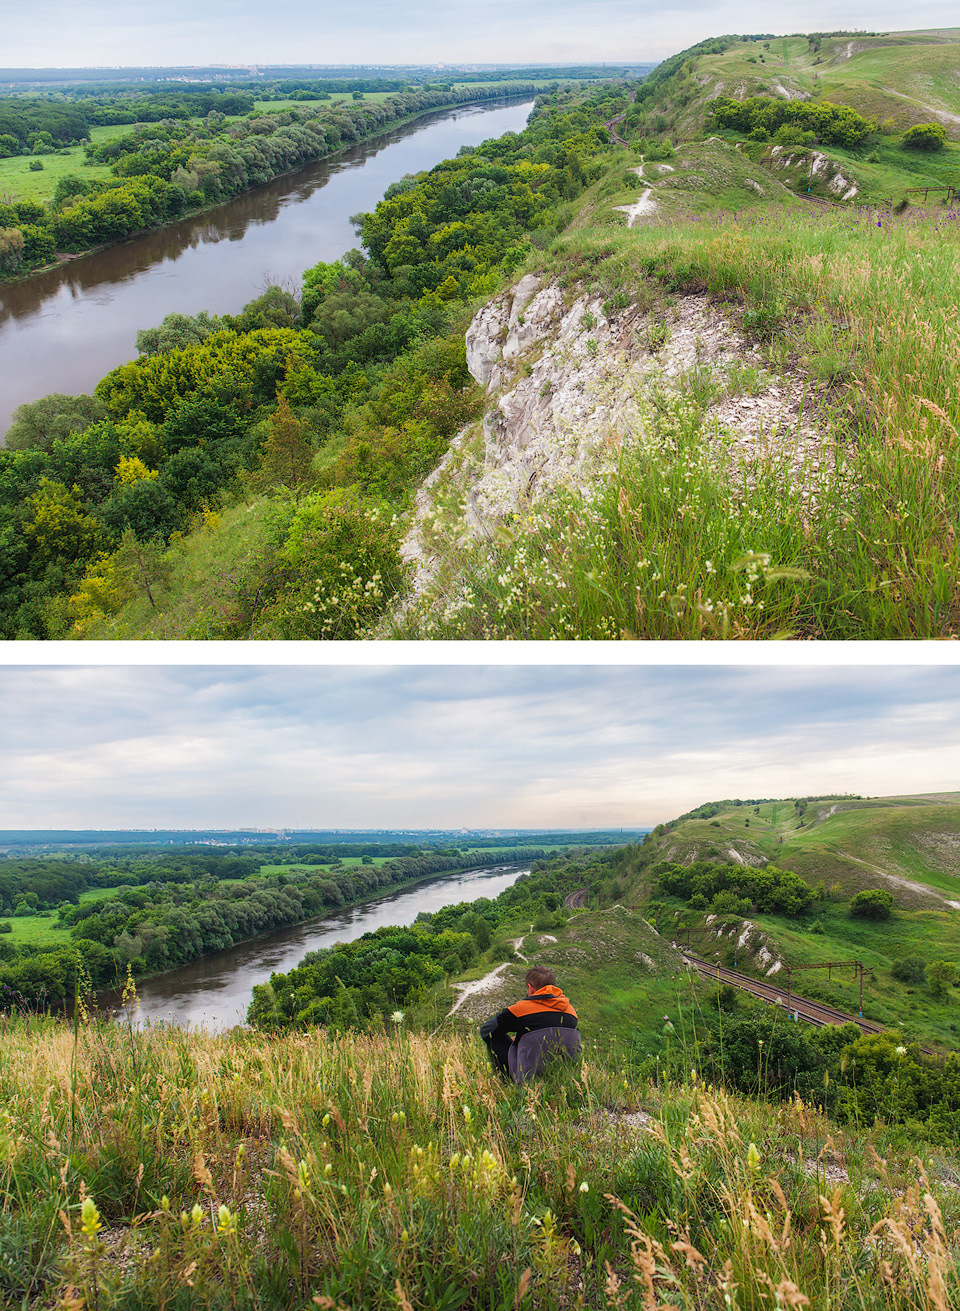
{"x": 108, "y": 33}
{"x": 465, "y": 746}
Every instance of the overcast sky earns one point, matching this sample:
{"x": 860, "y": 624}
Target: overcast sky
{"x": 63, "y": 33}
{"x": 425, "y": 746}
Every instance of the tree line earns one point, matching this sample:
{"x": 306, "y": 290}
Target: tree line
{"x": 161, "y": 924}
{"x": 172, "y": 164}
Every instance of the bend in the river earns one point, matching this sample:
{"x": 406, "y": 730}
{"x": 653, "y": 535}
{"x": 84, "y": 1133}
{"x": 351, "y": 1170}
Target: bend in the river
{"x": 62, "y": 330}
{"x": 214, "y": 992}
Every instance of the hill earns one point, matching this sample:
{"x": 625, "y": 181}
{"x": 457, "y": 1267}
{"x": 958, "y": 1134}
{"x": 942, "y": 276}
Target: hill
{"x": 341, "y": 1169}
{"x": 897, "y": 78}
{"x": 842, "y": 848}
{"x": 594, "y": 381}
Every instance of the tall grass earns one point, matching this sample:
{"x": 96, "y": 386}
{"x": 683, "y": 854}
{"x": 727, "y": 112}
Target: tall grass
{"x": 685, "y": 539}
{"x": 165, "y": 1169}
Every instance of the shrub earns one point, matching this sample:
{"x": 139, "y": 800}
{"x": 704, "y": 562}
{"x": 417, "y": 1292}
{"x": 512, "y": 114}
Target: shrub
{"x": 872, "y": 904}
{"x": 941, "y": 974}
{"x": 909, "y": 970}
{"x": 924, "y": 136}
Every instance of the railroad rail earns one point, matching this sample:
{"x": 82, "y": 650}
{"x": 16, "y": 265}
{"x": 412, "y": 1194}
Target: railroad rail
{"x": 577, "y": 900}
{"x": 814, "y": 1012}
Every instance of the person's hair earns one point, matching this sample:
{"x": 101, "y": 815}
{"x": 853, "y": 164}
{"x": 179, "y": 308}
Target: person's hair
{"x": 539, "y": 977}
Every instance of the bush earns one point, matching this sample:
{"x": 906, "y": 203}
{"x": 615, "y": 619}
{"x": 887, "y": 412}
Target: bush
{"x": 909, "y": 970}
{"x": 925, "y": 136}
{"x": 941, "y": 974}
{"x": 872, "y": 904}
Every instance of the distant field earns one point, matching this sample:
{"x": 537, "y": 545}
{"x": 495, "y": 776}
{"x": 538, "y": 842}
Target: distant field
{"x": 39, "y": 931}
{"x": 18, "y": 183}
{"x": 344, "y": 860}
{"x": 275, "y": 106}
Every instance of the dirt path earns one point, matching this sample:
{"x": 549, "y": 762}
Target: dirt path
{"x": 900, "y": 882}
{"x": 644, "y": 206}
{"x": 488, "y": 982}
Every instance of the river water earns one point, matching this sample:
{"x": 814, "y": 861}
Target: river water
{"x": 61, "y": 331}
{"x": 214, "y": 993}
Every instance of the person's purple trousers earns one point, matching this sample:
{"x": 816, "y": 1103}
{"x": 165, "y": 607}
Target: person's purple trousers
{"x": 532, "y": 1053}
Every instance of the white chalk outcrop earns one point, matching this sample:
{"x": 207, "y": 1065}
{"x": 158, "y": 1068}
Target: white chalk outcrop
{"x": 568, "y": 385}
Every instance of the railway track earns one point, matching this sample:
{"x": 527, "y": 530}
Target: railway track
{"x": 814, "y": 1012}
{"x": 576, "y": 900}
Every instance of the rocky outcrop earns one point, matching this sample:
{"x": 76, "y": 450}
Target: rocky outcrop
{"x": 570, "y": 381}
{"x": 818, "y": 167}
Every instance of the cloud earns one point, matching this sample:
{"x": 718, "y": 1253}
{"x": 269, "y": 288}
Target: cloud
{"x": 422, "y": 746}
{"x": 53, "y": 32}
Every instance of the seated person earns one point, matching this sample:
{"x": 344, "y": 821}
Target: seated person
{"x": 525, "y": 1037}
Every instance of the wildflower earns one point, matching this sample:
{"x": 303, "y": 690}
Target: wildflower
{"x": 196, "y": 1215}
{"x": 901, "y": 1051}
{"x": 396, "y": 1017}
{"x": 90, "y": 1221}
{"x": 226, "y": 1223}
{"x": 467, "y": 1115}
{"x": 584, "y": 1187}
{"x": 328, "y": 1169}
{"x": 753, "y": 1158}
{"x": 326, "y": 1120}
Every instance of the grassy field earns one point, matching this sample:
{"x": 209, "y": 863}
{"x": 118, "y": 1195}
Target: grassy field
{"x": 42, "y": 930}
{"x": 17, "y": 182}
{"x": 392, "y": 1169}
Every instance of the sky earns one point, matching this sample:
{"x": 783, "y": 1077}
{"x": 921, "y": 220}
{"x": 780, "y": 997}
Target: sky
{"x": 62, "y": 33}
{"x": 468, "y": 746}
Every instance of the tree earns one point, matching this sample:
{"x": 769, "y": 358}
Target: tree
{"x": 11, "y": 249}
{"x": 38, "y": 424}
{"x": 872, "y": 904}
{"x": 177, "y": 331}
{"x": 941, "y": 975}
{"x": 286, "y": 457}
{"x": 60, "y": 527}
{"x": 924, "y": 136}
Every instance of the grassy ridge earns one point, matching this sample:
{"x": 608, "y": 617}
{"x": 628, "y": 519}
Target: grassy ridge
{"x": 689, "y": 538}
{"x": 392, "y": 1169}
{"x": 852, "y": 842}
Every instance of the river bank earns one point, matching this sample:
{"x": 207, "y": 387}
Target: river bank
{"x": 381, "y": 132}
{"x": 214, "y": 991}
{"x": 61, "y": 330}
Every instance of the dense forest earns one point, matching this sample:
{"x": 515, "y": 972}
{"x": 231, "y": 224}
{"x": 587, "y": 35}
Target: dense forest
{"x": 171, "y": 909}
{"x": 318, "y": 413}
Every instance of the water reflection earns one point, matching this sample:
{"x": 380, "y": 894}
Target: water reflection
{"x": 214, "y": 993}
{"x": 64, "y": 329}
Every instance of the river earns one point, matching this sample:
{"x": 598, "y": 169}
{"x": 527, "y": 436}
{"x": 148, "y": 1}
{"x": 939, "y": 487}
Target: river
{"x": 214, "y": 993}
{"x": 62, "y": 330}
